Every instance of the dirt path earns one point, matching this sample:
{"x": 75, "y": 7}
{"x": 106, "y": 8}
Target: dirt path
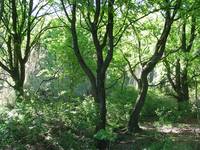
{"x": 158, "y": 137}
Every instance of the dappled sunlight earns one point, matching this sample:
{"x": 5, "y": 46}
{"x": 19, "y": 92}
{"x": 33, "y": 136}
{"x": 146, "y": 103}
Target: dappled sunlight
{"x": 190, "y": 129}
{"x": 173, "y": 135}
{"x": 99, "y": 75}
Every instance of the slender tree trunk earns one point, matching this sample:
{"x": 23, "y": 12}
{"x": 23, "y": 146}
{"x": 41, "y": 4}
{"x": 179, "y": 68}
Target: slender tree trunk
{"x": 134, "y": 117}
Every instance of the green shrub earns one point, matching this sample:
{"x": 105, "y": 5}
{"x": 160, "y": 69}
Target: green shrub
{"x": 119, "y": 104}
{"x": 48, "y": 123}
{"x": 154, "y": 102}
{"x": 106, "y": 135}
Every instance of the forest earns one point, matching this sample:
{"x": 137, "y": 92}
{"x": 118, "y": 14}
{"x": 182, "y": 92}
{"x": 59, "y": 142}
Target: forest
{"x": 99, "y": 75}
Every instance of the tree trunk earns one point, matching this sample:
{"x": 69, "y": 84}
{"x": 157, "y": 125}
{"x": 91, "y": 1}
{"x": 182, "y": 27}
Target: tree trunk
{"x": 1, "y": 8}
{"x": 182, "y": 87}
{"x": 147, "y": 68}
{"x": 134, "y": 117}
{"x": 102, "y": 110}
{"x": 19, "y": 77}
{"x": 100, "y": 99}
{"x": 185, "y": 86}
{"x": 19, "y": 89}
{"x": 183, "y": 97}
{"x": 197, "y": 101}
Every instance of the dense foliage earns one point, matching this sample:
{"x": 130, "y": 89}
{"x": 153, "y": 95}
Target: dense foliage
{"x": 99, "y": 74}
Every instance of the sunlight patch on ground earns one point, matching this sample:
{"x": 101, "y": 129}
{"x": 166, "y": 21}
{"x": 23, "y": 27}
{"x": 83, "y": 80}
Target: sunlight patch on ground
{"x": 176, "y": 129}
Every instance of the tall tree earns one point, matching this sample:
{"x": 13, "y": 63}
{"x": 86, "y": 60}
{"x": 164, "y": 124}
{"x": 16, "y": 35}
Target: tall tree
{"x": 98, "y": 16}
{"x": 19, "y": 37}
{"x": 170, "y": 12}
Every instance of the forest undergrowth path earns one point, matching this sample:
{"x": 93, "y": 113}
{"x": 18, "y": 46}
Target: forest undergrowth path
{"x": 178, "y": 136}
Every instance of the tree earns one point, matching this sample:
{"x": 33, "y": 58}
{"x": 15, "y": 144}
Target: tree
{"x": 149, "y": 65}
{"x": 180, "y": 81}
{"x": 98, "y": 18}
{"x": 22, "y": 25}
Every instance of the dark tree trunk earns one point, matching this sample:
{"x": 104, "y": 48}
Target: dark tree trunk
{"x": 178, "y": 83}
{"x": 185, "y": 86}
{"x": 101, "y": 103}
{"x": 99, "y": 94}
{"x": 101, "y": 113}
{"x": 134, "y": 117}
{"x": 1, "y": 8}
{"x": 19, "y": 89}
{"x": 19, "y": 77}
{"x": 181, "y": 84}
{"x": 183, "y": 96}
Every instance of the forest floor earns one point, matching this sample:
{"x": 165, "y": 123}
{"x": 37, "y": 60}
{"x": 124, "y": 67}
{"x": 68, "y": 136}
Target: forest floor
{"x": 182, "y": 136}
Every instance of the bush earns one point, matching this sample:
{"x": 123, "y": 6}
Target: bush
{"x": 49, "y": 124}
{"x": 119, "y": 104}
{"x": 154, "y": 102}
{"x": 157, "y": 107}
